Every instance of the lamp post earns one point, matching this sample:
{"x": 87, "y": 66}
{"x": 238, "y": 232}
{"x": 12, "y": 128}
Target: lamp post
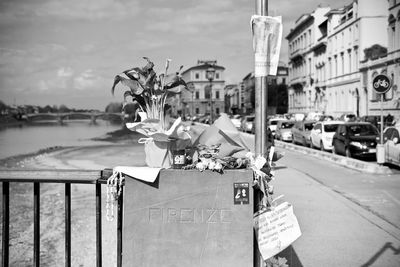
{"x": 210, "y": 72}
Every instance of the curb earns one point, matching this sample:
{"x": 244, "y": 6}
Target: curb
{"x": 351, "y": 163}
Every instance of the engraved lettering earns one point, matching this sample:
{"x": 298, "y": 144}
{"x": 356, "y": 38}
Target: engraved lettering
{"x": 172, "y": 213}
{"x": 211, "y": 215}
{"x": 187, "y": 216}
{"x": 155, "y": 214}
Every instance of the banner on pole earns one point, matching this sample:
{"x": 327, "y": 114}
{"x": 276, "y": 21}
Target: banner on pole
{"x": 267, "y": 38}
{"x": 276, "y": 229}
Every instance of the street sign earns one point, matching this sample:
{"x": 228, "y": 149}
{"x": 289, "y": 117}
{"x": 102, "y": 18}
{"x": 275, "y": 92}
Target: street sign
{"x": 381, "y": 84}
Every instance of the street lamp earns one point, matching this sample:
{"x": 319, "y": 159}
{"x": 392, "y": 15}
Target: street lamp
{"x": 210, "y": 72}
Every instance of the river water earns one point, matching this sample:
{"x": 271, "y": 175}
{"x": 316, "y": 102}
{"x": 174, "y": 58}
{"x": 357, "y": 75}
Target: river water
{"x": 32, "y": 137}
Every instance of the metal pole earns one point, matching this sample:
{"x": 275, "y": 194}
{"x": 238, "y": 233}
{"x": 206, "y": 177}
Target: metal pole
{"x": 261, "y": 97}
{"x": 381, "y": 119}
{"x": 261, "y": 108}
{"x": 211, "y": 103}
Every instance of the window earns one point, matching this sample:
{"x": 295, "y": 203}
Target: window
{"x": 350, "y": 69}
{"x": 197, "y": 111}
{"x": 283, "y": 80}
{"x": 217, "y": 95}
{"x": 197, "y": 94}
{"x": 217, "y": 110}
{"x": 342, "y": 58}
{"x": 217, "y": 75}
{"x": 197, "y": 76}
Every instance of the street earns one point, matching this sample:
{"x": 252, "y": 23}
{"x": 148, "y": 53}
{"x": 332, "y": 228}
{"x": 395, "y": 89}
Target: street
{"x": 347, "y": 218}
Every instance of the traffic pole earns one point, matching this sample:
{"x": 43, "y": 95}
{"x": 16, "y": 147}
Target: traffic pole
{"x": 261, "y": 110}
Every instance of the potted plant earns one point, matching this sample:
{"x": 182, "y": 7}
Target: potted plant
{"x": 151, "y": 91}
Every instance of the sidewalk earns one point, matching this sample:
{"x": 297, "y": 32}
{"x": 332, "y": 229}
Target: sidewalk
{"x": 364, "y": 166}
{"x": 335, "y": 231}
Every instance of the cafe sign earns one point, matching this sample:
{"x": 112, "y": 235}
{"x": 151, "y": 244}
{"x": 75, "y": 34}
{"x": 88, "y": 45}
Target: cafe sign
{"x": 381, "y": 84}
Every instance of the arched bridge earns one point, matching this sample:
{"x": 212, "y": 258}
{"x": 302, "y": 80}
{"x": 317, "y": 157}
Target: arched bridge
{"x": 60, "y": 117}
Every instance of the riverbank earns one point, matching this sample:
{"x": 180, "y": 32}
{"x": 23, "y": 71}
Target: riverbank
{"x": 120, "y": 148}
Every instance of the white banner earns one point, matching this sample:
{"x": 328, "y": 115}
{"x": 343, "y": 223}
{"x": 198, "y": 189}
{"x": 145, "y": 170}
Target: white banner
{"x": 276, "y": 229}
{"x": 267, "y": 38}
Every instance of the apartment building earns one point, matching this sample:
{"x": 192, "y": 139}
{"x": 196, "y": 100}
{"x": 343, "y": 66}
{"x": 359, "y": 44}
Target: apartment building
{"x": 351, "y": 30}
{"x": 325, "y": 51}
{"x": 307, "y": 44}
{"x": 277, "y": 88}
{"x": 232, "y": 98}
{"x": 197, "y": 101}
{"x": 388, "y": 64}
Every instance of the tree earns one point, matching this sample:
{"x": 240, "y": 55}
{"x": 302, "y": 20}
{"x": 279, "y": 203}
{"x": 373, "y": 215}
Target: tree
{"x": 63, "y": 109}
{"x": 114, "y": 107}
{"x": 374, "y": 52}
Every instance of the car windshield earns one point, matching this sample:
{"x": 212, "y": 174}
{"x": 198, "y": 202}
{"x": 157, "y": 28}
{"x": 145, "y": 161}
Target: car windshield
{"x": 330, "y": 128}
{"x": 309, "y": 126}
{"x": 287, "y": 125}
{"x": 250, "y": 118}
{"x": 362, "y": 130}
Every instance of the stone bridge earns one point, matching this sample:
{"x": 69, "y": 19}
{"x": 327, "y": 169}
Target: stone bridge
{"x": 60, "y": 117}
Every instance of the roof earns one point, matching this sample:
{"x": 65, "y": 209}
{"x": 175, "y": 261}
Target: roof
{"x": 204, "y": 66}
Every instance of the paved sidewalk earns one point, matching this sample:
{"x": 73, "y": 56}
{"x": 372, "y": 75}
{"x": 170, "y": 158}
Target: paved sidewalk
{"x": 364, "y": 166}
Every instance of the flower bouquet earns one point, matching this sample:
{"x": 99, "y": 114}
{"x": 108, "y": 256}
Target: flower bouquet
{"x": 151, "y": 92}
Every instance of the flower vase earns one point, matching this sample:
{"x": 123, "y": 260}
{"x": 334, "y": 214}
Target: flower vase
{"x": 158, "y": 154}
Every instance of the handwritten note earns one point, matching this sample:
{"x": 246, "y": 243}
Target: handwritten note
{"x": 276, "y": 229}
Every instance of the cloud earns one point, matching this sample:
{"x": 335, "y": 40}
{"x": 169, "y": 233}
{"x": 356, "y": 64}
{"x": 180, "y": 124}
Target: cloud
{"x": 65, "y": 72}
{"x": 73, "y": 9}
{"x": 88, "y": 80}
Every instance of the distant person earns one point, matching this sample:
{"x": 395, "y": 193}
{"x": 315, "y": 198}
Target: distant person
{"x": 389, "y": 120}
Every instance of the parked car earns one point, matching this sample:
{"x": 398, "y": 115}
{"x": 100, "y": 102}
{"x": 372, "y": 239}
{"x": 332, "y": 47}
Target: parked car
{"x": 391, "y": 138}
{"x": 283, "y": 130}
{"x": 355, "y": 139}
{"x": 246, "y": 124}
{"x": 236, "y": 119}
{"x": 348, "y": 117}
{"x": 272, "y": 124}
{"x": 301, "y": 132}
{"x": 322, "y": 133}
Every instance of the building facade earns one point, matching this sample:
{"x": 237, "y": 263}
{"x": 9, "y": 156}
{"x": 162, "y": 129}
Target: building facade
{"x": 351, "y": 30}
{"x": 305, "y": 40}
{"x": 203, "y": 94}
{"x": 325, "y": 50}
{"x": 388, "y": 65}
{"x": 233, "y": 100}
{"x": 276, "y": 85}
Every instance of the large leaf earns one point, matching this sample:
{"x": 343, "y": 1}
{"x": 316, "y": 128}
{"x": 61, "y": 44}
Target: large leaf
{"x": 134, "y": 85}
{"x": 149, "y": 66}
{"x": 136, "y": 74}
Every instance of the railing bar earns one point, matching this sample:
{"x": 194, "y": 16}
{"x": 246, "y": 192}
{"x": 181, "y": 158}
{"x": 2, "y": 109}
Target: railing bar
{"x": 36, "y": 224}
{"x": 98, "y": 227}
{"x": 119, "y": 228}
{"x": 67, "y": 224}
{"x": 6, "y": 223}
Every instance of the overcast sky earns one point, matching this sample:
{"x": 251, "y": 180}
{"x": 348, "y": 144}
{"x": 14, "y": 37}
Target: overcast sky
{"x": 68, "y": 52}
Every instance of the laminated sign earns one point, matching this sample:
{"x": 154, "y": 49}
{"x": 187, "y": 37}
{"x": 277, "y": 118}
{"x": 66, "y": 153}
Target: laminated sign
{"x": 276, "y": 229}
{"x": 267, "y": 37}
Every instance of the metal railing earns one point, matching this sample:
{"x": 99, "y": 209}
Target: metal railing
{"x": 67, "y": 177}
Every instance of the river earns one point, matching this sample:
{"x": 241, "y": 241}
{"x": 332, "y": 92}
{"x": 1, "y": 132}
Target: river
{"x": 32, "y": 137}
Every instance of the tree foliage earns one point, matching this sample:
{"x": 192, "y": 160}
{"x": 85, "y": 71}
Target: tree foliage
{"x": 374, "y": 52}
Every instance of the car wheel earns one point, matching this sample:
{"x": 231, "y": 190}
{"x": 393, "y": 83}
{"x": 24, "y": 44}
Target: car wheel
{"x": 334, "y": 150}
{"x": 348, "y": 153}
{"x": 321, "y": 146}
